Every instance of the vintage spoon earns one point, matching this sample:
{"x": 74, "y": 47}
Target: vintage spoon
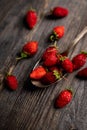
{"x": 68, "y": 52}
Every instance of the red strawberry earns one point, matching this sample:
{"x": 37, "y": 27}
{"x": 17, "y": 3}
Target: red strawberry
{"x": 63, "y": 98}
{"x": 31, "y": 18}
{"x": 29, "y": 49}
{"x": 67, "y": 65}
{"x": 38, "y": 73}
{"x": 58, "y": 32}
{"x": 59, "y": 12}
{"x": 12, "y": 82}
{"x": 50, "y": 77}
{"x": 79, "y": 60}
{"x": 82, "y": 73}
{"x": 51, "y": 60}
{"x": 50, "y": 50}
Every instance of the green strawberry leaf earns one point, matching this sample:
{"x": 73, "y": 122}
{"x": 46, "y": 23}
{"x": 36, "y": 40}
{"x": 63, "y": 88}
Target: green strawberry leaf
{"x": 56, "y": 74}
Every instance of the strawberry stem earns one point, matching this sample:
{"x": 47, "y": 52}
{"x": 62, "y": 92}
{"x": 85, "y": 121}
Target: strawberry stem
{"x": 23, "y": 55}
{"x": 10, "y": 70}
{"x": 83, "y": 52}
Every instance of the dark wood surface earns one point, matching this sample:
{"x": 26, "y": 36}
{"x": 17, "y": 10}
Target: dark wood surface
{"x": 30, "y": 108}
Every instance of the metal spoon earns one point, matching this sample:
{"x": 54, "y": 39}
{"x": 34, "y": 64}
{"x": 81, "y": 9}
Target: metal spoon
{"x": 68, "y": 51}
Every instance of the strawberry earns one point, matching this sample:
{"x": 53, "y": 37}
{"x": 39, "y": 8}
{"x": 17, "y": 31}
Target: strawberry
{"x": 59, "y": 12}
{"x": 82, "y": 73}
{"x": 38, "y": 73}
{"x": 50, "y": 77}
{"x": 29, "y": 49}
{"x": 79, "y": 60}
{"x": 63, "y": 98}
{"x": 67, "y": 64}
{"x": 31, "y": 18}
{"x": 12, "y": 82}
{"x": 58, "y": 32}
{"x": 50, "y": 50}
{"x": 51, "y": 60}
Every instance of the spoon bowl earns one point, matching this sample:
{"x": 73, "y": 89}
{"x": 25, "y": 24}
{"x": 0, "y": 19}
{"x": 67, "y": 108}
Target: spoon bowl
{"x": 68, "y": 52}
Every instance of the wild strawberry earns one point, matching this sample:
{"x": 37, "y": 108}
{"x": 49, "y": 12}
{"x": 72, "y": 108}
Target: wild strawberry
{"x": 31, "y": 18}
{"x": 50, "y": 61}
{"x": 82, "y": 73}
{"x": 63, "y": 98}
{"x": 79, "y": 60}
{"x": 12, "y": 82}
{"x": 29, "y": 49}
{"x": 38, "y": 73}
{"x": 50, "y": 50}
{"x": 50, "y": 77}
{"x": 59, "y": 12}
{"x": 67, "y": 64}
{"x": 58, "y": 32}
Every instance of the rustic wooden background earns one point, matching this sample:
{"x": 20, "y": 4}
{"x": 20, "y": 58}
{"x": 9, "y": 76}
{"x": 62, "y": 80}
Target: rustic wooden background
{"x": 30, "y": 108}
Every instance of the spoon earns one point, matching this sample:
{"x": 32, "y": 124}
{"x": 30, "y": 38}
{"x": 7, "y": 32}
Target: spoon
{"x": 68, "y": 52}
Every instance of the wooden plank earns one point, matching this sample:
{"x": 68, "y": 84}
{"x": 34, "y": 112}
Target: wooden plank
{"x": 31, "y": 108}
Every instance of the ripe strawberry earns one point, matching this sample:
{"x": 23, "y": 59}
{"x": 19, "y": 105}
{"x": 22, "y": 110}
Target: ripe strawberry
{"x": 82, "y": 73}
{"x": 63, "y": 98}
{"x": 50, "y": 50}
{"x": 79, "y": 60}
{"x": 38, "y": 73}
{"x": 67, "y": 64}
{"x": 58, "y": 32}
{"x": 50, "y": 61}
{"x": 59, "y": 12}
{"x": 50, "y": 77}
{"x": 31, "y": 18}
{"x": 12, "y": 82}
{"x": 29, "y": 49}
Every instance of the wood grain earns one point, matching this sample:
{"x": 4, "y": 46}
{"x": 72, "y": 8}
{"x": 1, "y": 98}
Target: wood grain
{"x": 30, "y": 108}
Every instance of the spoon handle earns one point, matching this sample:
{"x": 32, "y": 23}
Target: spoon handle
{"x": 79, "y": 36}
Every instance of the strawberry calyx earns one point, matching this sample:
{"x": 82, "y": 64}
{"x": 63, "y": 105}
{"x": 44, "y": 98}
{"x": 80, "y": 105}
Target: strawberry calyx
{"x": 70, "y": 90}
{"x": 32, "y": 9}
{"x": 62, "y": 58}
{"x": 83, "y": 52}
{"x": 56, "y": 74}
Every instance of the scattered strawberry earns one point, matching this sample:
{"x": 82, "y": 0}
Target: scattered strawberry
{"x": 64, "y": 98}
{"x": 38, "y": 73}
{"x": 79, "y": 60}
{"x": 51, "y": 60}
{"x": 82, "y": 73}
{"x": 29, "y": 49}
{"x": 31, "y": 18}
{"x": 12, "y": 82}
{"x": 50, "y": 50}
{"x": 50, "y": 77}
{"x": 59, "y": 12}
{"x": 67, "y": 64}
{"x": 58, "y": 32}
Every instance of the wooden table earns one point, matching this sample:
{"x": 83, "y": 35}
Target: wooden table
{"x": 30, "y": 108}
